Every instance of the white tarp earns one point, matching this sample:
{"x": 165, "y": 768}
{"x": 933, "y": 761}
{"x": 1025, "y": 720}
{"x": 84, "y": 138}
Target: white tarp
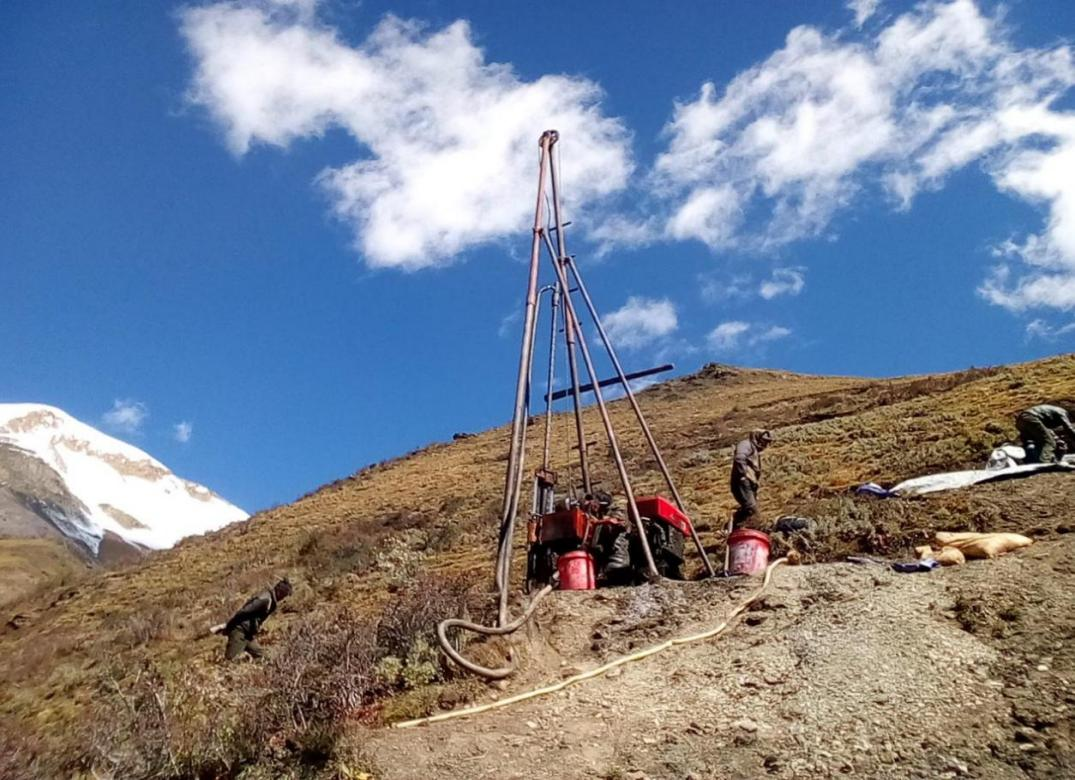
{"x": 951, "y": 480}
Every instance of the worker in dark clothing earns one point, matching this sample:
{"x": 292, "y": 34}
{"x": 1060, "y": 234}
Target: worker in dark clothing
{"x": 599, "y": 505}
{"x": 1038, "y": 428}
{"x": 245, "y": 624}
{"x": 746, "y": 475}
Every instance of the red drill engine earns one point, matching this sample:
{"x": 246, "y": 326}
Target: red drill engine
{"x": 594, "y": 527}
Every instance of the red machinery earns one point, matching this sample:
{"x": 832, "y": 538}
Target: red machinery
{"x": 558, "y": 533}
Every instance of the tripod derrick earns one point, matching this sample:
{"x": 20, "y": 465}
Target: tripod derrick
{"x": 573, "y": 541}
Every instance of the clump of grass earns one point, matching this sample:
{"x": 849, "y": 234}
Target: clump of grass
{"x": 976, "y": 617}
{"x": 971, "y": 614}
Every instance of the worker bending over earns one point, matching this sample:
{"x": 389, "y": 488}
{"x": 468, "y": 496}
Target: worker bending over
{"x": 1038, "y": 427}
{"x": 245, "y": 624}
{"x": 746, "y": 475}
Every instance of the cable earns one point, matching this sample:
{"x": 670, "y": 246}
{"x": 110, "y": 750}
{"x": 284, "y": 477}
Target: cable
{"x": 644, "y": 653}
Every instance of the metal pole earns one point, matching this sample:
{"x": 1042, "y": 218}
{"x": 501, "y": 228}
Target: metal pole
{"x": 516, "y": 451}
{"x": 613, "y": 381}
{"x": 520, "y": 474}
{"x": 638, "y": 410}
{"x": 552, "y": 364}
{"x": 573, "y": 369}
{"x": 569, "y": 309}
{"x": 617, "y": 456}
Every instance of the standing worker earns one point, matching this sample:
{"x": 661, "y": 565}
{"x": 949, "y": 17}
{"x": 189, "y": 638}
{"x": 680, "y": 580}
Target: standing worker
{"x": 746, "y": 475}
{"x": 1038, "y": 427}
{"x": 245, "y": 624}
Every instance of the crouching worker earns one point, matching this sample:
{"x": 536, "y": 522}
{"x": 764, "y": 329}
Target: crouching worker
{"x": 746, "y": 475}
{"x": 245, "y": 624}
{"x": 1038, "y": 427}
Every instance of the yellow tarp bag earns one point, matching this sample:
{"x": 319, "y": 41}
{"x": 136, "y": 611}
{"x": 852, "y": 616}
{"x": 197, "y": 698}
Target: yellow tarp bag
{"x": 950, "y": 556}
{"x": 974, "y": 545}
{"x": 947, "y": 556}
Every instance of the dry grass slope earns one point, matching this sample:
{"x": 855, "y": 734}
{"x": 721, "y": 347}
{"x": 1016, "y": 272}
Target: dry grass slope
{"x": 133, "y": 641}
{"x": 27, "y": 563}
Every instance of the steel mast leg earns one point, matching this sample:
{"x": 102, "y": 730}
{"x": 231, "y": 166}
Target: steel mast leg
{"x": 617, "y": 456}
{"x": 517, "y": 450}
{"x": 569, "y": 309}
{"x": 572, "y": 363}
{"x": 555, "y": 298}
{"x": 637, "y": 409}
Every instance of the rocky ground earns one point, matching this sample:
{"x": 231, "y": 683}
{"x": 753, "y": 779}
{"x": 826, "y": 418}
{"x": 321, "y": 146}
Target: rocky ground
{"x": 840, "y": 669}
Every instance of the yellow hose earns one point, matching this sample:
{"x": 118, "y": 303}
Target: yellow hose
{"x": 644, "y": 653}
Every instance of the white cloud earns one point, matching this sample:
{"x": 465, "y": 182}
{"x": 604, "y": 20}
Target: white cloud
{"x": 773, "y": 333}
{"x": 126, "y": 416}
{"x": 735, "y": 335}
{"x": 509, "y": 323}
{"x": 617, "y": 230}
{"x": 727, "y": 336}
{"x": 812, "y": 129}
{"x": 1040, "y": 329}
{"x": 710, "y": 214}
{"x": 640, "y": 321}
{"x": 448, "y": 141}
{"x": 716, "y": 287}
{"x": 1034, "y": 290}
{"x": 784, "y": 281}
{"x": 863, "y": 10}
{"x": 182, "y": 431}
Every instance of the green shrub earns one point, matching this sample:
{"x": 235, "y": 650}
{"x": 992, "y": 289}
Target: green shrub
{"x": 423, "y": 664}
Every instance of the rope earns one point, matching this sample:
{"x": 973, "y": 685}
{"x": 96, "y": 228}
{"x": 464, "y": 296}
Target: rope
{"x": 644, "y": 653}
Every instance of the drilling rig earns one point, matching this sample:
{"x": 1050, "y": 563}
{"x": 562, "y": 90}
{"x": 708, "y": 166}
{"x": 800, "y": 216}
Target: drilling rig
{"x": 575, "y": 536}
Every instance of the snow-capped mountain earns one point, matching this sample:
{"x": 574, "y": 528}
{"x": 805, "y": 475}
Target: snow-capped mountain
{"x": 90, "y": 486}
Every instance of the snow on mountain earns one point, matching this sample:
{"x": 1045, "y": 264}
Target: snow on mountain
{"x": 122, "y": 489}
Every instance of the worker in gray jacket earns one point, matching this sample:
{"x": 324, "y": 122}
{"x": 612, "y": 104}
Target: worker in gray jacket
{"x": 1038, "y": 427}
{"x": 245, "y": 624}
{"x": 746, "y": 475}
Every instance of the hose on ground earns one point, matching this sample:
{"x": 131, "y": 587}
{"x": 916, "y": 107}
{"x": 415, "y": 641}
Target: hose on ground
{"x": 477, "y": 628}
{"x": 644, "y": 653}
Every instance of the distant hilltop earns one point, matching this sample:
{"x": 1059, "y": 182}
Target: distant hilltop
{"x": 60, "y": 476}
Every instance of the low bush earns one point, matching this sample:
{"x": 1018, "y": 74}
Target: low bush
{"x": 406, "y": 635}
{"x": 282, "y": 715}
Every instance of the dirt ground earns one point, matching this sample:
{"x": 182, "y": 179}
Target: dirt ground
{"x": 841, "y": 669}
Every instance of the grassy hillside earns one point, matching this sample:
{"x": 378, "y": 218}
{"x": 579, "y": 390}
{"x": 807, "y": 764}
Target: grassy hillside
{"x": 116, "y": 671}
{"x": 28, "y": 564}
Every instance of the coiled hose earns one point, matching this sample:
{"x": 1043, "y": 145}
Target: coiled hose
{"x": 477, "y": 628}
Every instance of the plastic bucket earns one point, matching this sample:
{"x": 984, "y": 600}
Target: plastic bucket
{"x": 748, "y": 552}
{"x": 576, "y": 570}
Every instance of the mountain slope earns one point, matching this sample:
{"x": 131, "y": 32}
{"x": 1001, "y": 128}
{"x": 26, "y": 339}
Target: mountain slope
{"x": 376, "y": 555}
{"x": 88, "y": 484}
{"x": 80, "y": 494}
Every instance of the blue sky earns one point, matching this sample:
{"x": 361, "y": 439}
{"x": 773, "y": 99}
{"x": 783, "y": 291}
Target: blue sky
{"x": 273, "y": 241}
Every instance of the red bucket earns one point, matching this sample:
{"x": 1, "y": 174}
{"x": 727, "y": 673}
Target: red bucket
{"x": 576, "y": 570}
{"x": 749, "y": 552}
